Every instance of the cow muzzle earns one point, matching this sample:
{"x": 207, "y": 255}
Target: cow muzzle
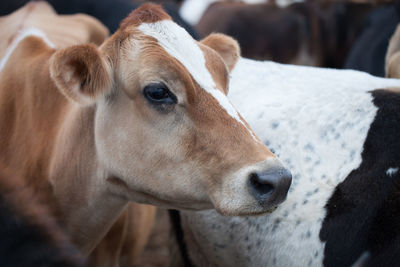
{"x": 270, "y": 187}
{"x": 254, "y": 189}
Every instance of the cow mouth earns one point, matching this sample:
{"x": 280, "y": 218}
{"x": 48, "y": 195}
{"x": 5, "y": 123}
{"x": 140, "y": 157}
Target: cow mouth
{"x": 171, "y": 204}
{"x": 260, "y": 213}
{"x": 142, "y": 197}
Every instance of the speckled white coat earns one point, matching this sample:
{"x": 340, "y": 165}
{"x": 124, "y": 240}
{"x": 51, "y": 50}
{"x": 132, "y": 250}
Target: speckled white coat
{"x": 316, "y": 120}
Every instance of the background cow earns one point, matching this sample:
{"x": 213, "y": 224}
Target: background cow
{"x": 306, "y": 33}
{"x": 336, "y": 34}
{"x": 338, "y": 131}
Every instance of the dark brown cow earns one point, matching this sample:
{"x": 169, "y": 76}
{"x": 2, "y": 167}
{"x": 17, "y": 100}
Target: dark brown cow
{"x": 264, "y": 31}
{"x": 308, "y": 33}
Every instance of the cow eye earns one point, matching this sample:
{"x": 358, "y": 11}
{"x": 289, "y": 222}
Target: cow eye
{"x": 159, "y": 94}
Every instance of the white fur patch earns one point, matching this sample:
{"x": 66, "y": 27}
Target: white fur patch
{"x": 21, "y": 36}
{"x": 180, "y": 45}
{"x": 391, "y": 171}
{"x": 316, "y": 120}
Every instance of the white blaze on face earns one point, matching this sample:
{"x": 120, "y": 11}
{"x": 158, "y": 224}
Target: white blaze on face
{"x": 21, "y": 36}
{"x": 180, "y": 45}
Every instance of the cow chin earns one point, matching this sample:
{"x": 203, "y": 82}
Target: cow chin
{"x": 252, "y": 208}
{"x": 234, "y": 203}
{"x": 121, "y": 188}
{"x": 255, "y": 211}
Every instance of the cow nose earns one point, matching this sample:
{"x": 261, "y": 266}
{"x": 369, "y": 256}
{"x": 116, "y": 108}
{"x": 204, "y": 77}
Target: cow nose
{"x": 270, "y": 187}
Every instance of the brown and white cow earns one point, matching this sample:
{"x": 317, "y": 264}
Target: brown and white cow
{"x": 143, "y": 117}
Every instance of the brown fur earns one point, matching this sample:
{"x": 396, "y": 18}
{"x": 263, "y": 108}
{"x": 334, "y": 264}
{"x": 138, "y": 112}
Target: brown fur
{"x": 224, "y": 45}
{"x": 126, "y": 239}
{"x": 264, "y": 31}
{"x": 146, "y": 13}
{"x": 63, "y": 31}
{"x": 317, "y": 33}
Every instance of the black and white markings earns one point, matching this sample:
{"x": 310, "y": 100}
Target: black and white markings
{"x": 326, "y": 118}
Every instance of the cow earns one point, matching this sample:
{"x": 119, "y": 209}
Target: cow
{"x": 278, "y": 34}
{"x": 29, "y": 234}
{"x": 71, "y": 30}
{"x": 338, "y": 131}
{"x": 144, "y": 117}
{"x": 311, "y": 33}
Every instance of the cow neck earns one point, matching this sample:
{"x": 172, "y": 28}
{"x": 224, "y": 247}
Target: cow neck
{"x": 50, "y": 141}
{"x": 76, "y": 176}
{"x": 30, "y": 113}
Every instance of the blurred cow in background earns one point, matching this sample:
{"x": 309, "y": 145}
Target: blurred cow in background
{"x": 368, "y": 52}
{"x": 307, "y": 33}
{"x": 264, "y": 31}
{"x": 350, "y": 34}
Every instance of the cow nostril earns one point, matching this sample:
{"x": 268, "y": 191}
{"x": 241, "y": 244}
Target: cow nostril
{"x": 259, "y": 185}
{"x": 270, "y": 187}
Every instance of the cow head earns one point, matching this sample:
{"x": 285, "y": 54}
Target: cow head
{"x": 164, "y": 128}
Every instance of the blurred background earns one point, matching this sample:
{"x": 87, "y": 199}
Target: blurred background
{"x": 352, "y": 34}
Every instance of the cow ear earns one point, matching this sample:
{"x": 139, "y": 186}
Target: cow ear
{"x": 81, "y": 73}
{"x": 227, "y": 47}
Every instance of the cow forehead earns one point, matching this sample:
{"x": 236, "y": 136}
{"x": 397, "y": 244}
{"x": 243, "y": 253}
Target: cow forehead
{"x": 180, "y": 45}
